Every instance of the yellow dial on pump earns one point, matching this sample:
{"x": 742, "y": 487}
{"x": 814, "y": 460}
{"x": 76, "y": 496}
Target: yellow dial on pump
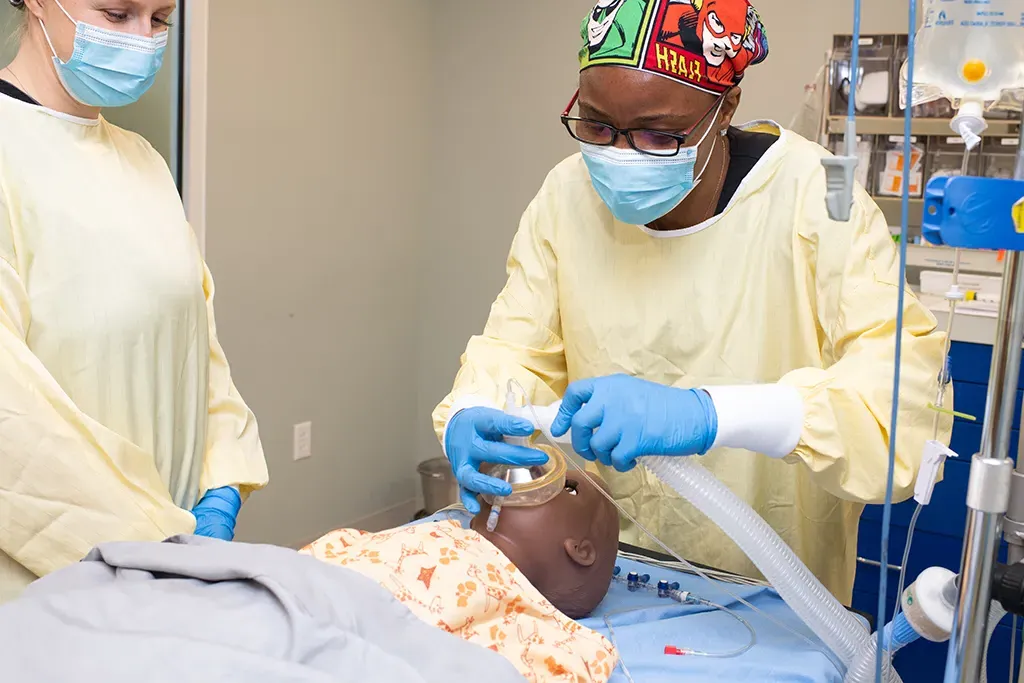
{"x": 974, "y": 70}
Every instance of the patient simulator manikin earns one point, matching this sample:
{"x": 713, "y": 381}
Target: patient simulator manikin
{"x": 515, "y": 590}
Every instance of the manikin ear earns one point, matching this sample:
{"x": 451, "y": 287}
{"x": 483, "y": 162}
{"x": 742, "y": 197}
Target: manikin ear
{"x": 582, "y": 552}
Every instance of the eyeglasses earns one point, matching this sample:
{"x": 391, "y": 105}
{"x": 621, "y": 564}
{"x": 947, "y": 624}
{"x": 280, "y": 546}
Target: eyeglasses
{"x": 654, "y": 142}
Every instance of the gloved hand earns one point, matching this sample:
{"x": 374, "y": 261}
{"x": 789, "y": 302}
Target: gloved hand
{"x": 617, "y": 419}
{"x": 474, "y": 436}
{"x": 216, "y": 513}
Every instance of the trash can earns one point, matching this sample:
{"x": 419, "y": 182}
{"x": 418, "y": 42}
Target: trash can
{"x": 439, "y": 486}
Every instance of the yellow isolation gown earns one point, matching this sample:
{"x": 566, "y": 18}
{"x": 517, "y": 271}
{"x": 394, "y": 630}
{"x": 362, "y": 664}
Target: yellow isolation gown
{"x": 117, "y": 409}
{"x": 769, "y": 292}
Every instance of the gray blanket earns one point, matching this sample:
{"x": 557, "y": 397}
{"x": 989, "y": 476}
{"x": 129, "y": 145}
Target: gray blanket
{"x": 194, "y": 609}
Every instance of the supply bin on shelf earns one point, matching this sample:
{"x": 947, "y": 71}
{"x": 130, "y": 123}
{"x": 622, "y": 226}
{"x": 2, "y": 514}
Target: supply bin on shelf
{"x": 874, "y": 82}
{"x": 945, "y": 157}
{"x": 864, "y": 150}
{"x": 999, "y": 157}
{"x": 891, "y": 171}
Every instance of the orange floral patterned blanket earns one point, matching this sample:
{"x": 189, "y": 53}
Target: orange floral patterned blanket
{"x": 456, "y": 580}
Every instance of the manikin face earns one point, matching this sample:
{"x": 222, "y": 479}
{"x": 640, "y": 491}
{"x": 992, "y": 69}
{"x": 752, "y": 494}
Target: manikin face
{"x": 565, "y": 514}
{"x": 568, "y": 544}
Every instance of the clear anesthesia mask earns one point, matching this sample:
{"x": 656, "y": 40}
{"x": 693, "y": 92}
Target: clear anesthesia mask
{"x": 530, "y": 485}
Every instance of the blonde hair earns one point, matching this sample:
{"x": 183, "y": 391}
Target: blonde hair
{"x": 17, "y": 31}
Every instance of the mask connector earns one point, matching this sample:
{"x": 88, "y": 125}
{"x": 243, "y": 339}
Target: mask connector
{"x": 533, "y": 485}
{"x": 492, "y": 518}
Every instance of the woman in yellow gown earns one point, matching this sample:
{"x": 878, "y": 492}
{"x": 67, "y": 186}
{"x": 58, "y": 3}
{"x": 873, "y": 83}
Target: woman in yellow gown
{"x": 118, "y": 416}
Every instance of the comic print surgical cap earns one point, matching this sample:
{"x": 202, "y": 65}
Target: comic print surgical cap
{"x": 707, "y": 44}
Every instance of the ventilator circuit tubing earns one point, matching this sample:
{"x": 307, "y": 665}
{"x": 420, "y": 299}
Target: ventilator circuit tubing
{"x": 897, "y": 633}
{"x": 801, "y": 590}
{"x": 995, "y": 615}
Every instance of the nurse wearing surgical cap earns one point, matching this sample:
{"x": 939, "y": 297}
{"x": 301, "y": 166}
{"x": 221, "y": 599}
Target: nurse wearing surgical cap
{"x": 118, "y": 417}
{"x": 680, "y": 285}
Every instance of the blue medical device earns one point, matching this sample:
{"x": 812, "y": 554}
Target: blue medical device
{"x": 973, "y": 213}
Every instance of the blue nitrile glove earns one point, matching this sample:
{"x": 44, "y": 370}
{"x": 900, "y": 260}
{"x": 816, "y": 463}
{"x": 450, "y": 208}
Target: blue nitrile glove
{"x": 474, "y": 436}
{"x": 617, "y": 419}
{"x": 216, "y": 513}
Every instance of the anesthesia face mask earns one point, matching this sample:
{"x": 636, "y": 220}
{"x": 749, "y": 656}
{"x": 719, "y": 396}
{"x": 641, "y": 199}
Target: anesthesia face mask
{"x": 530, "y": 485}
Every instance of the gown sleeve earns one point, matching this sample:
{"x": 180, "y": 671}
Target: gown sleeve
{"x": 522, "y": 337}
{"x": 845, "y": 436}
{"x": 66, "y": 482}
{"x": 234, "y": 454}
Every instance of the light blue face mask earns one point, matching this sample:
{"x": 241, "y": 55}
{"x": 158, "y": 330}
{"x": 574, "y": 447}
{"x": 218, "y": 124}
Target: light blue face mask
{"x": 641, "y": 188}
{"x": 108, "y": 68}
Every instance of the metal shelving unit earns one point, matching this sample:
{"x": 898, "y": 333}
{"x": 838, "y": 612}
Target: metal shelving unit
{"x": 892, "y": 207}
{"x": 978, "y": 329}
{"x": 883, "y": 125}
{"x": 941, "y": 258}
{"x": 970, "y": 326}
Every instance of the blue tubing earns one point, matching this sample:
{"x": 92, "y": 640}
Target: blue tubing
{"x": 899, "y": 632}
{"x": 883, "y": 582}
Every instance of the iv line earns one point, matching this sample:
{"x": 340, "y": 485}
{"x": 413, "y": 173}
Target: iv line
{"x": 1013, "y": 645}
{"x": 688, "y": 598}
{"x": 676, "y": 566}
{"x": 903, "y": 576}
{"x": 944, "y": 380}
{"x": 687, "y": 651}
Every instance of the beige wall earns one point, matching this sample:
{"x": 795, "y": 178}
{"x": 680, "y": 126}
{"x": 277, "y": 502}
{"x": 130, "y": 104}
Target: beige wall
{"x": 505, "y": 71}
{"x": 317, "y": 180}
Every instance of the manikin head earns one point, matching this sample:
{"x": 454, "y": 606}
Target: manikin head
{"x": 566, "y": 547}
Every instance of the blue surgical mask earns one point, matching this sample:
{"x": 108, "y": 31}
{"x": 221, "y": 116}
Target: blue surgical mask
{"x": 108, "y": 68}
{"x": 641, "y": 188}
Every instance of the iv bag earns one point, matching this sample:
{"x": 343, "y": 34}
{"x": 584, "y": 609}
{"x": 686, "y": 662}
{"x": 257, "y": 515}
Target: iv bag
{"x": 967, "y": 50}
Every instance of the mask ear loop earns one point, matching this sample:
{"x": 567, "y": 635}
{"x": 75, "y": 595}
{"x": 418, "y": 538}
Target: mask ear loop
{"x": 714, "y": 119}
{"x": 657, "y": 541}
{"x": 46, "y": 34}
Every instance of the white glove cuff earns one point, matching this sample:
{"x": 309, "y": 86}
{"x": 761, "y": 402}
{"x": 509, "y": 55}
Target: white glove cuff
{"x": 763, "y": 418}
{"x": 460, "y": 404}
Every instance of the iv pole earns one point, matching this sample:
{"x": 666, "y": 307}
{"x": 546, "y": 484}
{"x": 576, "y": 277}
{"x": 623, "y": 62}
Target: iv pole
{"x": 969, "y": 210}
{"x": 988, "y": 490}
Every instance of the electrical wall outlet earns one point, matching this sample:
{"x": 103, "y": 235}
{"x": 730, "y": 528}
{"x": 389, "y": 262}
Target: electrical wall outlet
{"x": 302, "y": 440}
